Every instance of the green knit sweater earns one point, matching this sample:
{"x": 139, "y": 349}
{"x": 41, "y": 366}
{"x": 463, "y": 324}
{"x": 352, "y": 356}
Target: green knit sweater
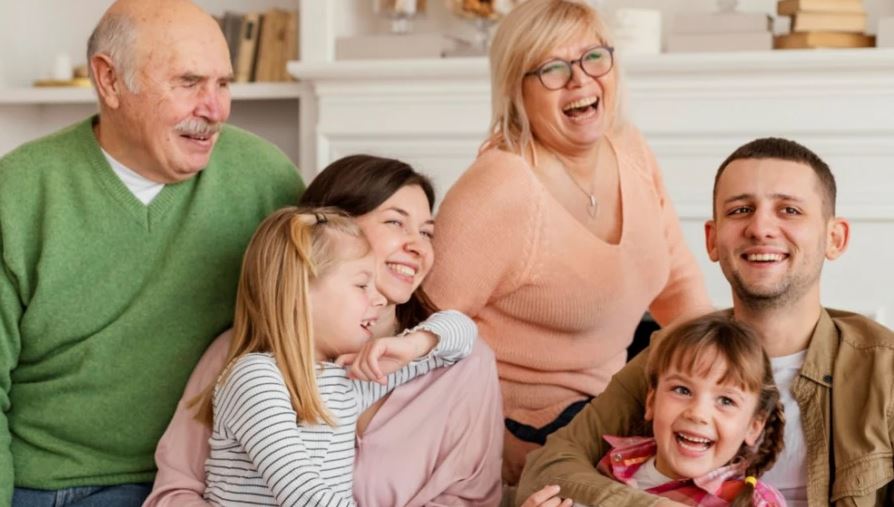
{"x": 106, "y": 304}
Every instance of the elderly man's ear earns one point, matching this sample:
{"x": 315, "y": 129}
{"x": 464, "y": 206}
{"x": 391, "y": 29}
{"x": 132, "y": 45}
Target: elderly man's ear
{"x": 107, "y": 80}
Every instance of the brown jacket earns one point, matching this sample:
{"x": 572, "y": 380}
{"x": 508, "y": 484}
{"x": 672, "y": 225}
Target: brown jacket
{"x": 846, "y": 394}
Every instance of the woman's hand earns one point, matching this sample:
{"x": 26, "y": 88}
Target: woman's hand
{"x": 382, "y": 356}
{"x": 547, "y": 497}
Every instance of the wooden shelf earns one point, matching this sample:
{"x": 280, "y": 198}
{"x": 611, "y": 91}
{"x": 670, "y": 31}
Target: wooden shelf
{"x": 49, "y": 95}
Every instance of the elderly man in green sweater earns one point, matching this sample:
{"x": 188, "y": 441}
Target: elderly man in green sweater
{"x": 120, "y": 243}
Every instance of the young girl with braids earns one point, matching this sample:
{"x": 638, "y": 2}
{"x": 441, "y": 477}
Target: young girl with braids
{"x": 716, "y": 419}
{"x": 284, "y": 410}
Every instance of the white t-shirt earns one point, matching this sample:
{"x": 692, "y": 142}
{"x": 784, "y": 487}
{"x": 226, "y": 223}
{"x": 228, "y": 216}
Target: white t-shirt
{"x": 647, "y": 475}
{"x": 789, "y": 473}
{"x": 142, "y": 188}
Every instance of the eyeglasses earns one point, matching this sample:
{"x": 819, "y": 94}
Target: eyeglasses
{"x": 596, "y": 61}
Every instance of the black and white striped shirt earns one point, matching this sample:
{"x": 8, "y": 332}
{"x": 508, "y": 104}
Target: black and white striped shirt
{"x": 260, "y": 456}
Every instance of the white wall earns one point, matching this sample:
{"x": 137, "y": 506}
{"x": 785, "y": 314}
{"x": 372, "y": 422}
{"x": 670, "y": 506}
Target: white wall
{"x": 32, "y": 32}
{"x": 356, "y": 16}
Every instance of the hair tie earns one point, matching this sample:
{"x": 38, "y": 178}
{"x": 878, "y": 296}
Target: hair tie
{"x": 751, "y": 480}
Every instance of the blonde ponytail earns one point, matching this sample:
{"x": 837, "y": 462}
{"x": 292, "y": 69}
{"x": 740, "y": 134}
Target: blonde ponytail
{"x": 290, "y": 248}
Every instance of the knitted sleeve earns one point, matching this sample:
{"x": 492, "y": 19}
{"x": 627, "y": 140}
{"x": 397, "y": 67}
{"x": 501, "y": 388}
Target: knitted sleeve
{"x": 486, "y": 234}
{"x": 684, "y": 294}
{"x": 181, "y": 453}
{"x": 253, "y": 404}
{"x": 568, "y": 459}
{"x": 456, "y": 334}
{"x": 10, "y": 345}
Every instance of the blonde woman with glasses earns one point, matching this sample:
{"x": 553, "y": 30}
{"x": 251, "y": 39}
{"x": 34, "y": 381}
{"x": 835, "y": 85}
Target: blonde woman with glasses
{"x": 561, "y": 234}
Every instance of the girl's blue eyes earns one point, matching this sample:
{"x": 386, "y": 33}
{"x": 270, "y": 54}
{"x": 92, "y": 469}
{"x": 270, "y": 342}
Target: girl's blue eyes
{"x": 680, "y": 390}
{"x": 725, "y": 401}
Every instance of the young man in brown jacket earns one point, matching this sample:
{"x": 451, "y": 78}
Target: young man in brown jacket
{"x": 774, "y": 226}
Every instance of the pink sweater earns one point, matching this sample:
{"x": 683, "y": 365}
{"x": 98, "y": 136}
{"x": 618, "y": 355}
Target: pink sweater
{"x": 435, "y": 441}
{"x": 558, "y": 305}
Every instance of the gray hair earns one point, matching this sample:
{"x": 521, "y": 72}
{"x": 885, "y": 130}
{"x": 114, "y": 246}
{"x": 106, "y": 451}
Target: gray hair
{"x": 115, "y": 37}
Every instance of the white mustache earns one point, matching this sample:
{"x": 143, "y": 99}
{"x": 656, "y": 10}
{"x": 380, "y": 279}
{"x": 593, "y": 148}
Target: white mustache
{"x": 197, "y": 127}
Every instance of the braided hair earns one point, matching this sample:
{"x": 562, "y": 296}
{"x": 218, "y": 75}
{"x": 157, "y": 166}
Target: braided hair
{"x": 762, "y": 458}
{"x": 719, "y": 336}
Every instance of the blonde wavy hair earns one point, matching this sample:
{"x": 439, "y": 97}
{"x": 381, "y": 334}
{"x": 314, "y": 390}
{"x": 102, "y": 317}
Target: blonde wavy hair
{"x": 289, "y": 250}
{"x": 524, "y": 38}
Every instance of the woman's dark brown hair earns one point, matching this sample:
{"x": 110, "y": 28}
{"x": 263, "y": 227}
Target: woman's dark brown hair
{"x": 358, "y": 184}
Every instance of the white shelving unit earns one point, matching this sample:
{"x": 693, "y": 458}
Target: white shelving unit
{"x": 85, "y": 95}
{"x": 270, "y": 110}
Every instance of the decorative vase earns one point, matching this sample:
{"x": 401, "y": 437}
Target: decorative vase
{"x": 483, "y": 14}
{"x": 400, "y": 12}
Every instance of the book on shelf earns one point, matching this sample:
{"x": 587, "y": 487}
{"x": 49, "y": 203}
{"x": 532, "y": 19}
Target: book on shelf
{"x": 810, "y": 40}
{"x": 231, "y": 25}
{"x": 277, "y": 44}
{"x": 247, "y": 50}
{"x": 721, "y": 22}
{"x": 829, "y": 22}
{"x": 791, "y": 7}
{"x": 714, "y": 42}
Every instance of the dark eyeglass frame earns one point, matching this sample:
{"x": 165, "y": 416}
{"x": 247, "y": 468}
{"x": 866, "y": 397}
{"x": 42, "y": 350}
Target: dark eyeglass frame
{"x": 570, "y": 64}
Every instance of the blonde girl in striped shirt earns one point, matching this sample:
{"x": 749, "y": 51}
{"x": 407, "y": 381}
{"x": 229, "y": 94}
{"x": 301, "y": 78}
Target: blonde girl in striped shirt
{"x": 302, "y": 365}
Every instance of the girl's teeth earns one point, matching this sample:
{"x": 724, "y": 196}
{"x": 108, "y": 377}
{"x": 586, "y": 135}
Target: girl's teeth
{"x": 695, "y": 440}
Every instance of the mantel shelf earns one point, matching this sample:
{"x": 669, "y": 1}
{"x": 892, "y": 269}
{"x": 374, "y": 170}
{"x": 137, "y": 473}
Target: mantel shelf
{"x": 875, "y": 61}
{"x": 80, "y": 95}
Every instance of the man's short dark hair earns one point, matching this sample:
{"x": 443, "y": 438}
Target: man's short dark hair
{"x": 784, "y": 149}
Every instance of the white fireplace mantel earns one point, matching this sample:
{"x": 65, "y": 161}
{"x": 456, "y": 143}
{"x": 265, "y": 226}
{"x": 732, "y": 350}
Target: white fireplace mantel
{"x": 693, "y": 108}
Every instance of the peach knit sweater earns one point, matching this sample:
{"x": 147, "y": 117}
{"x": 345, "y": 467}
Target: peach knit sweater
{"x": 558, "y": 305}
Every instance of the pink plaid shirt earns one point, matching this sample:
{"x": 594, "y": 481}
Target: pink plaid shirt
{"x": 717, "y": 488}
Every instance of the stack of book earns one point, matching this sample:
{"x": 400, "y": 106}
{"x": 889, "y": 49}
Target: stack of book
{"x": 720, "y": 31}
{"x": 824, "y": 24}
{"x": 261, "y": 43}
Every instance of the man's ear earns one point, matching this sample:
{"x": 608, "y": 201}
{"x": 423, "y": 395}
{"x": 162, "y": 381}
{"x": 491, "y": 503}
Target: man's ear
{"x": 838, "y": 236}
{"x": 106, "y": 80}
{"x": 710, "y": 238}
{"x": 650, "y": 401}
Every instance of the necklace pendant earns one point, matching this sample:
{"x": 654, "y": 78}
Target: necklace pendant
{"x": 593, "y": 204}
